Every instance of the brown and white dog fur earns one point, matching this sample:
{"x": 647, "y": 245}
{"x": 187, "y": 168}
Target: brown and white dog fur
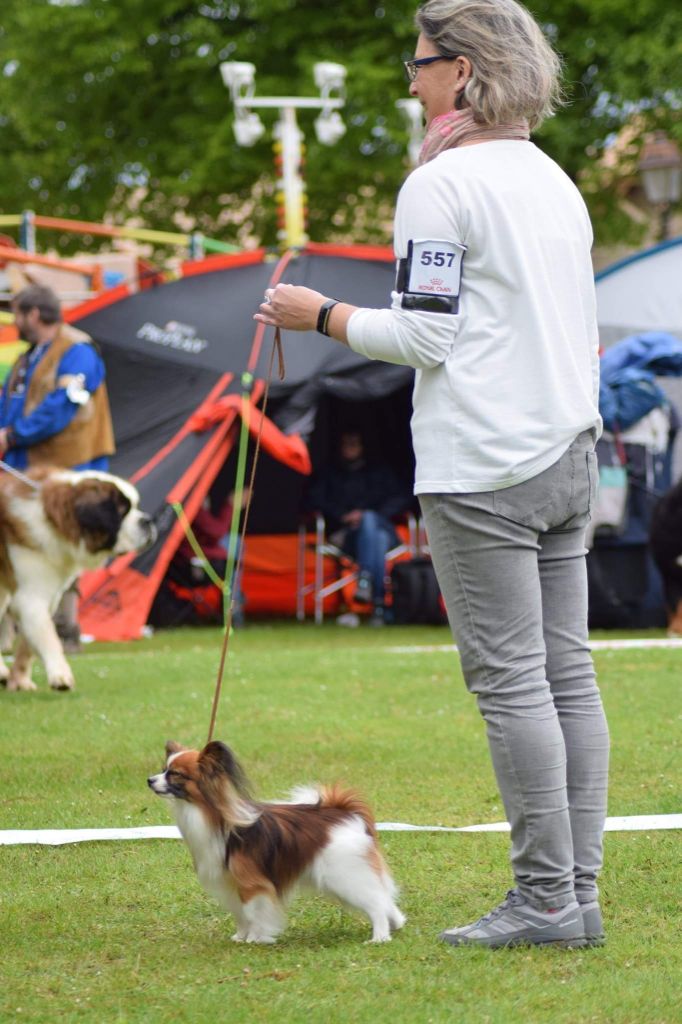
{"x": 73, "y": 521}
{"x": 251, "y": 857}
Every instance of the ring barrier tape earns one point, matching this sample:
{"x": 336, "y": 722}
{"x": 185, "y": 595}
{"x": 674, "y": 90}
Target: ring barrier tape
{"x": 60, "y": 837}
{"x": 672, "y": 643}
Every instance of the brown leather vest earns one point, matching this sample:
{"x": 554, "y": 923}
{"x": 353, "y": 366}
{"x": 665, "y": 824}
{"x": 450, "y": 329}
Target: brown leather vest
{"x": 90, "y": 433}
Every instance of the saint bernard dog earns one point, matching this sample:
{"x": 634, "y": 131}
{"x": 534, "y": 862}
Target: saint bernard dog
{"x": 54, "y": 524}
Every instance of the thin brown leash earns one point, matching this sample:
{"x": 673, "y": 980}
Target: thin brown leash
{"x": 276, "y": 347}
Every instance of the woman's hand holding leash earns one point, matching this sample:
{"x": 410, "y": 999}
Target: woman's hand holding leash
{"x": 291, "y": 307}
{"x": 295, "y": 308}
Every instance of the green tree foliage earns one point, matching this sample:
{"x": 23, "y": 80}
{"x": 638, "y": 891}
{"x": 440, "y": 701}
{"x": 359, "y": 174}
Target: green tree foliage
{"x": 113, "y": 105}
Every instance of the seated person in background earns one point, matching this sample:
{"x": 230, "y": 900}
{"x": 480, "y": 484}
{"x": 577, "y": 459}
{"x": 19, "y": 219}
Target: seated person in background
{"x": 187, "y": 595}
{"x": 358, "y": 497}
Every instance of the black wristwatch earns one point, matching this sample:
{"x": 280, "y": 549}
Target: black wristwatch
{"x": 323, "y": 315}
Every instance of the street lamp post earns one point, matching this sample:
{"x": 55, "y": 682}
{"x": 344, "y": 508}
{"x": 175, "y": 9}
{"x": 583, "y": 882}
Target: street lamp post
{"x": 240, "y": 77}
{"x": 660, "y": 165}
{"x": 411, "y": 109}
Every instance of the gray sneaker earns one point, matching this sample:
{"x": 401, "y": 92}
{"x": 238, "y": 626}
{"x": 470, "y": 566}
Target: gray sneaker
{"x": 517, "y": 923}
{"x": 592, "y": 923}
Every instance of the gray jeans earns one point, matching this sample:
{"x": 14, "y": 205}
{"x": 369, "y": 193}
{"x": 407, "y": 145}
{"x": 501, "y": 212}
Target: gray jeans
{"x": 511, "y": 567}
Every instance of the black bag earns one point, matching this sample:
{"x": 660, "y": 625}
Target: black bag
{"x": 416, "y": 597}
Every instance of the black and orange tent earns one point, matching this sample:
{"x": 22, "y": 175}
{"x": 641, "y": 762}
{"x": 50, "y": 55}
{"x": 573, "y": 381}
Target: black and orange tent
{"x": 176, "y": 355}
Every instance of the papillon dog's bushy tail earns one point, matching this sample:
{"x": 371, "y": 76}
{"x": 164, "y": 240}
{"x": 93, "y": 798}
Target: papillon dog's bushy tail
{"x": 350, "y": 802}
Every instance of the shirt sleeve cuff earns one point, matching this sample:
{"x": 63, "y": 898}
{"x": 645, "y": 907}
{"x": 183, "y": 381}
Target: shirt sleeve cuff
{"x": 369, "y": 333}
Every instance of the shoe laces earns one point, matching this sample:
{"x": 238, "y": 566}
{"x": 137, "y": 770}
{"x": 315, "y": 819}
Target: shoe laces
{"x": 512, "y": 899}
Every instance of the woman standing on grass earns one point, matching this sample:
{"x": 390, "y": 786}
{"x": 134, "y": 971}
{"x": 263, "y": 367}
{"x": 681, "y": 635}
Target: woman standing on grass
{"x": 494, "y": 307}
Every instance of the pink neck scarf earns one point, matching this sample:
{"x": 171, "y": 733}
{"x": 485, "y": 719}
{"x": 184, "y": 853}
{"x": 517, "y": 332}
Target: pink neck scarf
{"x": 447, "y": 131}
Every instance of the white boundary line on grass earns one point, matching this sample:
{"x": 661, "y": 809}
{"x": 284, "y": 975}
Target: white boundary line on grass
{"x": 595, "y": 645}
{"x": 59, "y": 837}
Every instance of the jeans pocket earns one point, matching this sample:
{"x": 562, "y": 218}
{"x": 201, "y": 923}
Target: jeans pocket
{"x": 530, "y": 502}
{"x": 584, "y": 483}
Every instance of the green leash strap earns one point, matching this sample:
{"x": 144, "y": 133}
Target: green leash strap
{"x": 238, "y": 500}
{"x": 196, "y": 547}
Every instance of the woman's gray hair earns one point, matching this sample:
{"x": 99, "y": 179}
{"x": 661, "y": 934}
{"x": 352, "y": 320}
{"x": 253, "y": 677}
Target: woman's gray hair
{"x": 515, "y": 71}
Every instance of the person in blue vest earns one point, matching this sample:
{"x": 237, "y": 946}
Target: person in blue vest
{"x": 54, "y": 408}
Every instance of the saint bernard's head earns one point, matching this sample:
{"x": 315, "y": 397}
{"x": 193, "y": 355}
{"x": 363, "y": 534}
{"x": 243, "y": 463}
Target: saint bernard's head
{"x": 97, "y": 510}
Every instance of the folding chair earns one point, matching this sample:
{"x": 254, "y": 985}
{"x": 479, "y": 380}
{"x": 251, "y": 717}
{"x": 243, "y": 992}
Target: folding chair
{"x": 346, "y": 570}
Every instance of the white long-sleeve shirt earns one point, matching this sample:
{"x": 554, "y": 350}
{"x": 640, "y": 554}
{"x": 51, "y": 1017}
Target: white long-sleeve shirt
{"x": 504, "y": 385}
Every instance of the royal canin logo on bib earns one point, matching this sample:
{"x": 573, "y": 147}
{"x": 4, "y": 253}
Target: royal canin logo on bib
{"x": 435, "y": 285}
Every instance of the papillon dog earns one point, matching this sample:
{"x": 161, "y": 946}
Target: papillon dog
{"x": 252, "y": 856}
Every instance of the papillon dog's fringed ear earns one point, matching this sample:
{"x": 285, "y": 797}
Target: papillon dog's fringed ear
{"x": 218, "y": 758}
{"x": 172, "y": 747}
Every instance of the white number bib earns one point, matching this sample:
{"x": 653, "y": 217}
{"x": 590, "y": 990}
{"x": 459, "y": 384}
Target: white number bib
{"x": 434, "y": 267}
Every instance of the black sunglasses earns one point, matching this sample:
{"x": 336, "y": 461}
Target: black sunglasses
{"x": 412, "y": 66}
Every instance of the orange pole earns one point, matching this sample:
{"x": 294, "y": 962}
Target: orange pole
{"x": 97, "y": 278}
{"x": 84, "y": 226}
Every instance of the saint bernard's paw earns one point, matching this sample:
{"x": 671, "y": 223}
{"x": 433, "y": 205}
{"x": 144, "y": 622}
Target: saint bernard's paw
{"x": 20, "y": 682}
{"x": 63, "y": 680}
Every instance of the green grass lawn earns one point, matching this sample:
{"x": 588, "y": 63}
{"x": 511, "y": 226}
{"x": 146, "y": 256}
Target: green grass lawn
{"x": 121, "y": 931}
